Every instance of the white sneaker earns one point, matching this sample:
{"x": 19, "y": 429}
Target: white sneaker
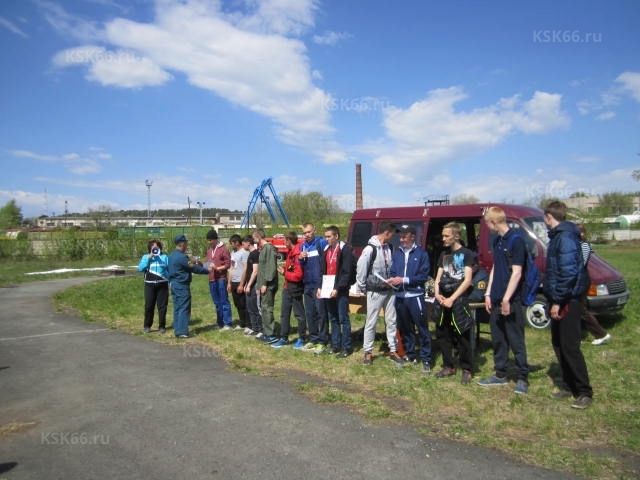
{"x": 238, "y": 328}
{"x": 248, "y": 331}
{"x": 600, "y": 341}
{"x": 226, "y": 328}
{"x": 259, "y": 335}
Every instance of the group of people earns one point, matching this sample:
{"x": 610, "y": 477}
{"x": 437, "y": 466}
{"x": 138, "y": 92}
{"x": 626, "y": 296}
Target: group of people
{"x": 565, "y": 285}
{"x": 319, "y": 272}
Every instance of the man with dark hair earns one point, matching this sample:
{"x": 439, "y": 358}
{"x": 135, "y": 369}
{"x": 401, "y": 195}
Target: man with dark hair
{"x": 266, "y": 284}
{"x": 218, "y": 255}
{"x": 336, "y": 265}
{"x": 371, "y": 277}
{"x": 235, "y": 281}
{"x": 566, "y": 281}
{"x": 291, "y": 291}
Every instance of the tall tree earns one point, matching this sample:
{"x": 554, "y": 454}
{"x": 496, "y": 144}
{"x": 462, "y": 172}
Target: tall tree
{"x": 10, "y": 215}
{"x": 617, "y": 203}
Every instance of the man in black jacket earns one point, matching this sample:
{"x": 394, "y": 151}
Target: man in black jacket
{"x": 565, "y": 282}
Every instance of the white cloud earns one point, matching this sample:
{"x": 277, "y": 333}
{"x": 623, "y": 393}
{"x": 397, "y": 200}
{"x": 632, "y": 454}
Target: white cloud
{"x": 72, "y": 162}
{"x": 430, "y": 132}
{"x": 244, "y": 58}
{"x": 331, "y": 38}
{"x": 606, "y": 115}
{"x": 630, "y": 83}
{"x": 4, "y": 23}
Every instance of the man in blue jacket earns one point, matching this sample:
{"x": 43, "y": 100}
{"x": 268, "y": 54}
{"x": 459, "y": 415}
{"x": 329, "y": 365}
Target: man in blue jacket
{"x": 565, "y": 282}
{"x": 180, "y": 270}
{"x": 310, "y": 252}
{"x": 408, "y": 275}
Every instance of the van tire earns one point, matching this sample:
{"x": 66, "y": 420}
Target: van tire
{"x": 280, "y": 257}
{"x": 536, "y": 314}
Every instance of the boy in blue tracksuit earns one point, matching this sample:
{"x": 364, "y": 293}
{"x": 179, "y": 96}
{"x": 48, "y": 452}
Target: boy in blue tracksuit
{"x": 408, "y": 274}
{"x": 310, "y": 252}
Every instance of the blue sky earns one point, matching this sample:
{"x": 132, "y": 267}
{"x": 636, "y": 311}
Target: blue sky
{"x": 502, "y": 100}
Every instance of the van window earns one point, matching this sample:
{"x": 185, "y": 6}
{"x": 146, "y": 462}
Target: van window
{"x": 469, "y": 235}
{"x": 539, "y": 228}
{"x": 360, "y": 234}
{"x": 531, "y": 244}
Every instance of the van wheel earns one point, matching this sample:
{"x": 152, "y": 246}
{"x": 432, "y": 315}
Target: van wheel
{"x": 280, "y": 257}
{"x": 536, "y": 313}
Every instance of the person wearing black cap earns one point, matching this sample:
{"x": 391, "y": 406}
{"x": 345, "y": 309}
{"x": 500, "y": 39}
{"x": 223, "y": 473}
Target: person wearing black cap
{"x": 218, "y": 255}
{"x": 180, "y": 270}
{"x": 409, "y": 273}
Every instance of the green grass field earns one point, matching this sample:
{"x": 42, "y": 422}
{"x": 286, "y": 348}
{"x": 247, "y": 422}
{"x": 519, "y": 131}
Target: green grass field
{"x": 602, "y": 442}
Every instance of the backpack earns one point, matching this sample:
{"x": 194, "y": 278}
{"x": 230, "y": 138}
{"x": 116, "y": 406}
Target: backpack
{"x": 374, "y": 284}
{"x": 531, "y": 276}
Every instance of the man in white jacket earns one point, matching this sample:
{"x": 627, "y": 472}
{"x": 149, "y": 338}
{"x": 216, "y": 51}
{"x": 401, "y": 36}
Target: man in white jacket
{"x": 371, "y": 277}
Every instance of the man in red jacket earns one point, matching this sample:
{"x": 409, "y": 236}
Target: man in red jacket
{"x": 292, "y": 291}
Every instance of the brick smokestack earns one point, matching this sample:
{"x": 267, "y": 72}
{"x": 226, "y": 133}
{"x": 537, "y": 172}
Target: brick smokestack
{"x": 358, "y": 186}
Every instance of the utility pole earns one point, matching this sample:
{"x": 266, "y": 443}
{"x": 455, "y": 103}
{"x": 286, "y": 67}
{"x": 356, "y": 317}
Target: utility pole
{"x": 148, "y": 183}
{"x": 200, "y": 206}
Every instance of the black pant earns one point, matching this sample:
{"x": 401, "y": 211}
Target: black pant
{"x": 447, "y": 334}
{"x": 156, "y": 294}
{"x": 566, "y": 335}
{"x": 240, "y": 302}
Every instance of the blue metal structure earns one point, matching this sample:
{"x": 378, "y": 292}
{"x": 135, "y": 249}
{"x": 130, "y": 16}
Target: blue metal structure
{"x": 259, "y": 193}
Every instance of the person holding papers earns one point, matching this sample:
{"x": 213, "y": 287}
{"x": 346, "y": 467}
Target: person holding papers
{"x": 371, "y": 277}
{"x": 336, "y": 262}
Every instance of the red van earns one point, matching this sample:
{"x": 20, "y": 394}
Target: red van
{"x": 608, "y": 292}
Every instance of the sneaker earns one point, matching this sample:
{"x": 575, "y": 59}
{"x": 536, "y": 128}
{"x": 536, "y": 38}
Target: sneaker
{"x": 319, "y": 348}
{"x": 269, "y": 339}
{"x": 603, "y": 340}
{"x": 426, "y": 368}
{"x": 182, "y": 336}
{"x": 237, "y": 328}
{"x": 259, "y": 336}
{"x": 493, "y": 381}
{"x": 446, "y": 372}
{"x": 344, "y": 353}
{"x": 309, "y": 346}
{"x": 410, "y": 361}
{"x": 248, "y": 331}
{"x": 368, "y": 358}
{"x": 146, "y": 329}
{"x": 561, "y": 394}
{"x": 397, "y": 358}
{"x": 522, "y": 387}
{"x": 280, "y": 343}
{"x": 162, "y": 330}
{"x": 299, "y": 344}
{"x": 226, "y": 328}
{"x": 581, "y": 402}
{"x": 332, "y": 350}
{"x": 466, "y": 377}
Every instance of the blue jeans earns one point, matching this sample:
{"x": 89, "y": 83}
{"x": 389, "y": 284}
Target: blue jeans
{"x": 218, "y": 291}
{"x": 316, "y": 321}
{"x": 338, "y": 313}
{"x": 411, "y": 314}
{"x": 181, "y": 308}
{"x": 507, "y": 333}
